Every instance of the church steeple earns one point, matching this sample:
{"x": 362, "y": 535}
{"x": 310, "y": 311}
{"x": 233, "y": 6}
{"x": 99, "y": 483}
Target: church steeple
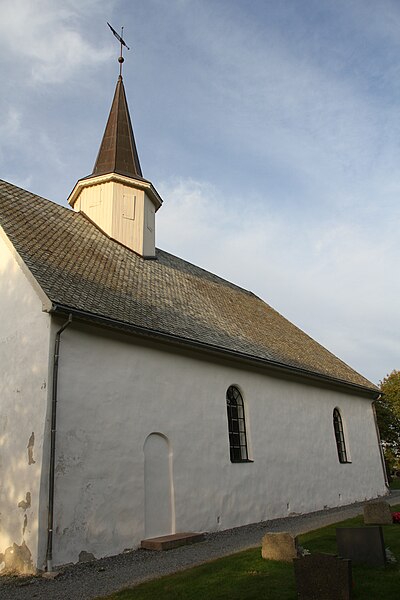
{"x": 115, "y": 196}
{"x": 118, "y": 153}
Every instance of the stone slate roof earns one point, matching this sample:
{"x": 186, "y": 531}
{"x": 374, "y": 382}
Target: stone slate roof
{"x": 78, "y": 266}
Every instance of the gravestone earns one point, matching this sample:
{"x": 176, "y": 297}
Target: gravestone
{"x": 323, "y": 577}
{"x": 362, "y": 545}
{"x": 279, "y": 546}
{"x": 377, "y": 513}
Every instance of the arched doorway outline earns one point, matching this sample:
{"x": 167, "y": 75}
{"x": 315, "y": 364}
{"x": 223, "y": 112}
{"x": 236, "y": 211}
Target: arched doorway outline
{"x": 171, "y": 490}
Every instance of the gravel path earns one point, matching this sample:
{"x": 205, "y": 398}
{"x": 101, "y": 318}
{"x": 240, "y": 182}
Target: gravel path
{"x": 86, "y": 581}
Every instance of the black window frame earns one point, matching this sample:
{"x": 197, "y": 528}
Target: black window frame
{"x": 339, "y": 437}
{"x": 238, "y": 448}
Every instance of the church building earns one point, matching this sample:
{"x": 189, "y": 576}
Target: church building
{"x": 142, "y": 396}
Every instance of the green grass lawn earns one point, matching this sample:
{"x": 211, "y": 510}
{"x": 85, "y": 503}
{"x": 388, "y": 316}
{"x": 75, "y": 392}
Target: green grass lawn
{"x": 246, "y": 576}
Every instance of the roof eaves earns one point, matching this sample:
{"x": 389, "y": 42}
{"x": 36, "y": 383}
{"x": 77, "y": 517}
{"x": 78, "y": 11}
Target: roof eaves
{"x": 136, "y": 182}
{"x": 273, "y": 365}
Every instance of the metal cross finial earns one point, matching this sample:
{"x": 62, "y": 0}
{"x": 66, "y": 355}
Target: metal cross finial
{"x": 122, "y": 42}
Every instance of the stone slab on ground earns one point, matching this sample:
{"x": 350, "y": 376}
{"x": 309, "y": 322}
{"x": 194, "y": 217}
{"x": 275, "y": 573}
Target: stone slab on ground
{"x": 377, "y": 513}
{"x": 279, "y": 546}
{"x": 168, "y": 542}
{"x": 362, "y": 545}
{"x": 323, "y": 577}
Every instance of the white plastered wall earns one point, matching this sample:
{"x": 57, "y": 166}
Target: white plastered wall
{"x": 24, "y": 344}
{"x": 113, "y": 394}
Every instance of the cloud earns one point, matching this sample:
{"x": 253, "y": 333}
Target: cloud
{"x": 326, "y": 277}
{"x": 279, "y": 127}
{"x": 292, "y": 103}
{"x": 12, "y": 134}
{"x": 286, "y": 103}
{"x": 11, "y": 123}
{"x": 47, "y": 38}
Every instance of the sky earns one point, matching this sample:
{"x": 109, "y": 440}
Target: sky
{"x": 270, "y": 129}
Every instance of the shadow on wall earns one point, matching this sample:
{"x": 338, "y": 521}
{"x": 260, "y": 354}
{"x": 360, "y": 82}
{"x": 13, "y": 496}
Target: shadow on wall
{"x": 23, "y": 396}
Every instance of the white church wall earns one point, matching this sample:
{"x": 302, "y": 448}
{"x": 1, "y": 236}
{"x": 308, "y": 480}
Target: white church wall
{"x": 24, "y": 343}
{"x": 114, "y": 394}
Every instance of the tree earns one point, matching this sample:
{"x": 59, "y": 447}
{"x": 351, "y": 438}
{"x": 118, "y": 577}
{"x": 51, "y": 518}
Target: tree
{"x": 388, "y": 416}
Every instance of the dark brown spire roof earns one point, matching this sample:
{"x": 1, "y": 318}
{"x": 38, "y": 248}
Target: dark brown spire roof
{"x": 118, "y": 152}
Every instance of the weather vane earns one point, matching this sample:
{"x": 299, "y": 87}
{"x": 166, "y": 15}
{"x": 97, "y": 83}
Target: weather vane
{"x": 122, "y": 42}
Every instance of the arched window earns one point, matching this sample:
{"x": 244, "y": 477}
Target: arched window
{"x": 339, "y": 435}
{"x": 236, "y": 425}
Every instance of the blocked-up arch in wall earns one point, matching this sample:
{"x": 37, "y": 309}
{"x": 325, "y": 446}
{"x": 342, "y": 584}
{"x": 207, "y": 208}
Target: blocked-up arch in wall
{"x": 159, "y": 513}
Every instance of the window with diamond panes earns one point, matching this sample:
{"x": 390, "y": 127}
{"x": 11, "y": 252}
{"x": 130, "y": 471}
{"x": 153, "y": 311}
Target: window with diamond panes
{"x": 339, "y": 436}
{"x": 236, "y": 425}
